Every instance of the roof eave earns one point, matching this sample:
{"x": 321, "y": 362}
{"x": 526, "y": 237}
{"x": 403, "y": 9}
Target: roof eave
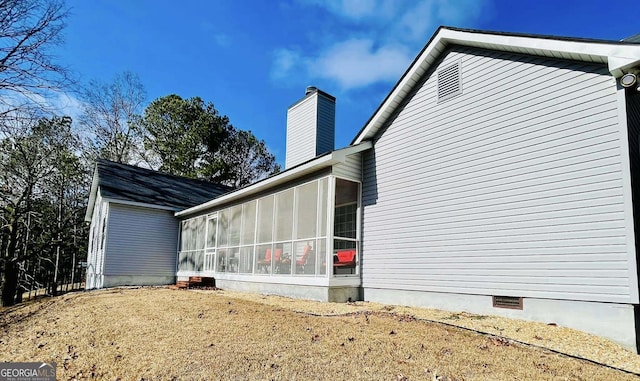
{"x": 113, "y": 200}
{"x": 618, "y": 56}
{"x": 334, "y": 157}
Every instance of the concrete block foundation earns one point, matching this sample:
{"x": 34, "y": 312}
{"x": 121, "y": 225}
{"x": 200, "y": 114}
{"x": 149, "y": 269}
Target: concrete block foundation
{"x": 614, "y": 321}
{"x": 137, "y": 280}
{"x": 337, "y": 294}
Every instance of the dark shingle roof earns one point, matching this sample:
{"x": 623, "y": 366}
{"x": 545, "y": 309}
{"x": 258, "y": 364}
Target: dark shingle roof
{"x": 129, "y": 183}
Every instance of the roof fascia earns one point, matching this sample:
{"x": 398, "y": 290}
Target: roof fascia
{"x": 619, "y": 57}
{"x": 92, "y": 195}
{"x": 342, "y": 154}
{"x": 393, "y": 98}
{"x": 335, "y": 157}
{"x": 139, "y": 204}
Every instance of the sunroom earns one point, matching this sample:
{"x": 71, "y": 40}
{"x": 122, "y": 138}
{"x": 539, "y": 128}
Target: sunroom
{"x": 294, "y": 234}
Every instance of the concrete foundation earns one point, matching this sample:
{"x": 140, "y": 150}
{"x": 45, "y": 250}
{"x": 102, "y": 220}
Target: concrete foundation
{"x": 338, "y": 294}
{"x": 611, "y": 320}
{"x": 137, "y": 280}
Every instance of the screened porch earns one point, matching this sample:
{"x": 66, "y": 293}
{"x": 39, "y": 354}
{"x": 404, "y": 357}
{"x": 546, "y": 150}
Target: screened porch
{"x": 307, "y": 230}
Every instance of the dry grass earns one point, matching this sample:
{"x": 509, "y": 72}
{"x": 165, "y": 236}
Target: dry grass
{"x": 163, "y": 334}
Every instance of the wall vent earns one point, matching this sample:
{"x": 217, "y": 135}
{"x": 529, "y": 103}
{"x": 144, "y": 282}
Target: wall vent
{"x": 512, "y": 302}
{"x": 449, "y": 83}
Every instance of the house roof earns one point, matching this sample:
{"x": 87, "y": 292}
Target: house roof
{"x": 129, "y": 184}
{"x": 323, "y": 161}
{"x": 620, "y": 56}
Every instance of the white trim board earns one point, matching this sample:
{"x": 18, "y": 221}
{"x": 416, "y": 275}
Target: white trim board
{"x": 335, "y": 157}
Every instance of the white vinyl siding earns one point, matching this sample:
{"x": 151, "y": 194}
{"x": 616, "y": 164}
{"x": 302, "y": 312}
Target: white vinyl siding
{"x": 301, "y": 132}
{"x": 310, "y": 128}
{"x": 512, "y": 188}
{"x": 141, "y": 241}
{"x": 351, "y": 168}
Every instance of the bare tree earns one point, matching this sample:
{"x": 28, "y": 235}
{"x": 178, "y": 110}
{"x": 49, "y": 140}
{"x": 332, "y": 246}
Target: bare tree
{"x": 108, "y": 113}
{"x": 33, "y": 167}
{"x": 28, "y": 29}
{"x": 41, "y": 177}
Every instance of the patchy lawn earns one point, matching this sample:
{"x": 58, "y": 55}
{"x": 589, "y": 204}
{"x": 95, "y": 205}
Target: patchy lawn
{"x": 163, "y": 334}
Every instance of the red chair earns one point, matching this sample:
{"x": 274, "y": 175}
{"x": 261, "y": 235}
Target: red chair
{"x": 266, "y": 261}
{"x": 345, "y": 258}
{"x": 302, "y": 261}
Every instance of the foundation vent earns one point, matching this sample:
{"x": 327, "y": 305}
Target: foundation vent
{"x": 449, "y": 83}
{"x": 512, "y": 302}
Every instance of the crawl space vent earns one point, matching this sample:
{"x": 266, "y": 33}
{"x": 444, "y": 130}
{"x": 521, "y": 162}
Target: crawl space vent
{"x": 449, "y": 84}
{"x": 507, "y": 302}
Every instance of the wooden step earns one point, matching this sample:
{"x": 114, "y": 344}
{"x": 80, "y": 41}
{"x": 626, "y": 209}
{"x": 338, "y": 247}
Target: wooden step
{"x": 196, "y": 281}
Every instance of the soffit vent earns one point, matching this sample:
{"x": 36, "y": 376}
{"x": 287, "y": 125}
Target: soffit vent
{"x": 449, "y": 83}
{"x": 507, "y": 302}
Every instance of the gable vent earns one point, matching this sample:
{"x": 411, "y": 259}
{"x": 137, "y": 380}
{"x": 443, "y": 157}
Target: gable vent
{"x": 449, "y": 84}
{"x": 507, "y": 302}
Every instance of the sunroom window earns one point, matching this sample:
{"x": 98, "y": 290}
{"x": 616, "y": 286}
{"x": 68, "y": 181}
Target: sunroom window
{"x": 247, "y": 238}
{"x": 192, "y": 241}
{"x": 345, "y": 227}
{"x": 210, "y": 250}
{"x": 282, "y": 234}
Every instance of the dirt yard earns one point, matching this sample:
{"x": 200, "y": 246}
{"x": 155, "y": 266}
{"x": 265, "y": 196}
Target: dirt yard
{"x": 164, "y": 334}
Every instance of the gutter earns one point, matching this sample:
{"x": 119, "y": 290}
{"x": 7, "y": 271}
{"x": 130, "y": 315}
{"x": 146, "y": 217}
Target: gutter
{"x": 324, "y": 161}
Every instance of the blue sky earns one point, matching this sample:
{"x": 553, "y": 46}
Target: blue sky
{"x": 253, "y": 59}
